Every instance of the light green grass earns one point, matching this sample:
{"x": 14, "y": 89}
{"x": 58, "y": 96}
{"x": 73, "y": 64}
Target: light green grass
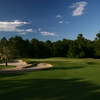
{"x": 69, "y": 79}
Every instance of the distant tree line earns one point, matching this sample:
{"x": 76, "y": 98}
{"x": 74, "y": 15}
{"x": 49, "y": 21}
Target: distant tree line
{"x": 16, "y": 47}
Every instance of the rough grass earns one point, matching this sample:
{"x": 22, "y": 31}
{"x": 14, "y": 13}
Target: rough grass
{"x": 69, "y": 79}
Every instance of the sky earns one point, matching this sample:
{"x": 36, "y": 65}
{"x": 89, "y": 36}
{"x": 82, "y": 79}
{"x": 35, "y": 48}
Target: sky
{"x": 49, "y": 19}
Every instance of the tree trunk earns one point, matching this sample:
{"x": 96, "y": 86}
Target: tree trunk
{"x": 6, "y": 63}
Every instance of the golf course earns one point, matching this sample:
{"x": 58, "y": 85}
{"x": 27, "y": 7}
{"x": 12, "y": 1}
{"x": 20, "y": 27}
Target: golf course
{"x": 68, "y": 79}
{"x": 49, "y": 50}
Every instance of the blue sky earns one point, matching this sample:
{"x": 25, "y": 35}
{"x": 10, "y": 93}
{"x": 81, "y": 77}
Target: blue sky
{"x": 49, "y": 19}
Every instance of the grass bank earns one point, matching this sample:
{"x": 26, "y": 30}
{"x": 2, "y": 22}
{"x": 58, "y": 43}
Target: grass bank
{"x": 68, "y": 79}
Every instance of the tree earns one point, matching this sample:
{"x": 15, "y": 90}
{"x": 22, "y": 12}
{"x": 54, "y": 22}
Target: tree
{"x": 89, "y": 50}
{"x": 35, "y": 48}
{"x": 97, "y": 45}
{"x": 13, "y": 49}
{"x": 48, "y": 47}
{"x": 5, "y": 52}
{"x": 58, "y": 49}
{"x": 20, "y": 46}
{"x": 73, "y": 50}
{"x": 27, "y": 49}
{"x": 80, "y": 37}
{"x": 66, "y": 43}
{"x": 98, "y": 35}
{"x": 81, "y": 46}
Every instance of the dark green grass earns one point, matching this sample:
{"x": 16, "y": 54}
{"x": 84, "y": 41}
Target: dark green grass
{"x": 1, "y": 61}
{"x": 69, "y": 79}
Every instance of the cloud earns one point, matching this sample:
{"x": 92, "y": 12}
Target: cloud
{"x": 67, "y": 22}
{"x": 34, "y": 31}
{"x": 29, "y": 30}
{"x": 60, "y": 22}
{"x": 79, "y": 8}
{"x": 39, "y": 29}
{"x": 48, "y": 33}
{"x": 58, "y": 16}
{"x": 22, "y": 33}
{"x": 63, "y": 22}
{"x": 12, "y": 26}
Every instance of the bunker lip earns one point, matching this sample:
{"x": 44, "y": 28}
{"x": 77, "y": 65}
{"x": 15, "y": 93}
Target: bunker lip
{"x": 20, "y": 67}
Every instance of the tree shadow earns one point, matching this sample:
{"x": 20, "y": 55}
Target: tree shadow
{"x": 32, "y": 62}
{"x": 3, "y": 74}
{"x": 14, "y": 61}
{"x": 67, "y": 68}
{"x": 49, "y": 89}
{"x": 92, "y": 63}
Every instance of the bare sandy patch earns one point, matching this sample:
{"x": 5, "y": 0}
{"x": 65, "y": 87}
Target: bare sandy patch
{"x": 20, "y": 67}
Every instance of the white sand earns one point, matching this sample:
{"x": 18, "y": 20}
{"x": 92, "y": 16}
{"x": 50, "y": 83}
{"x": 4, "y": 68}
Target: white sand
{"x": 19, "y": 67}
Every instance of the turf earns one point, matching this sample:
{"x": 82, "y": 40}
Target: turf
{"x": 69, "y": 79}
{"x": 4, "y": 67}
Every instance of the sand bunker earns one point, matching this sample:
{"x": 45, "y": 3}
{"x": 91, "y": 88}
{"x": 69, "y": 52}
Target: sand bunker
{"x": 19, "y": 67}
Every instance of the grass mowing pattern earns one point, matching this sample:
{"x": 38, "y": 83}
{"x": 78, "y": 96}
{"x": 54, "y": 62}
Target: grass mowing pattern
{"x": 69, "y": 79}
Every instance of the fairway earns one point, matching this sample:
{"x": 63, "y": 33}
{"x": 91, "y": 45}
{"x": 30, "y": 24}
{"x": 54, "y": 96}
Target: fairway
{"x": 4, "y": 67}
{"x": 68, "y": 79}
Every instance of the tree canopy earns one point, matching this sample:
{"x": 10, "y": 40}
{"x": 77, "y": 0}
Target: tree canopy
{"x": 17, "y": 47}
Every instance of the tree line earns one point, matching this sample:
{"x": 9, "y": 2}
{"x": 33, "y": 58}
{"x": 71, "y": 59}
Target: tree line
{"x": 17, "y": 47}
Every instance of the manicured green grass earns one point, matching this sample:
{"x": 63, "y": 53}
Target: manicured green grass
{"x": 3, "y": 66}
{"x": 68, "y": 79}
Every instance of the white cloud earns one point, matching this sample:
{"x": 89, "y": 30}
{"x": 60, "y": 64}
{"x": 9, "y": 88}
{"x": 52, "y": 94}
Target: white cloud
{"x": 48, "y": 33}
{"x": 34, "y": 31}
{"x": 79, "y": 8}
{"x": 60, "y": 22}
{"x": 22, "y": 33}
{"x": 67, "y": 22}
{"x": 39, "y": 29}
{"x": 29, "y": 30}
{"x": 12, "y": 26}
{"x": 58, "y": 16}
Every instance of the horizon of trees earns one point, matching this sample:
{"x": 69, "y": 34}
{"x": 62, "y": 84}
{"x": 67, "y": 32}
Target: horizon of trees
{"x": 16, "y": 47}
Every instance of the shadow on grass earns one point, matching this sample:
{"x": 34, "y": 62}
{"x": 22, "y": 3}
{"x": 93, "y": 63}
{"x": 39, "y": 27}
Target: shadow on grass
{"x": 67, "y": 68}
{"x": 10, "y": 74}
{"x": 49, "y": 89}
{"x": 32, "y": 62}
{"x": 92, "y": 63}
{"x": 35, "y": 62}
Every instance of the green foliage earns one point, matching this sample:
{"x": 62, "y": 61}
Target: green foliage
{"x": 82, "y": 54}
{"x": 16, "y": 47}
{"x": 98, "y": 35}
{"x": 48, "y": 47}
{"x": 5, "y": 52}
{"x": 58, "y": 49}
{"x": 72, "y": 51}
